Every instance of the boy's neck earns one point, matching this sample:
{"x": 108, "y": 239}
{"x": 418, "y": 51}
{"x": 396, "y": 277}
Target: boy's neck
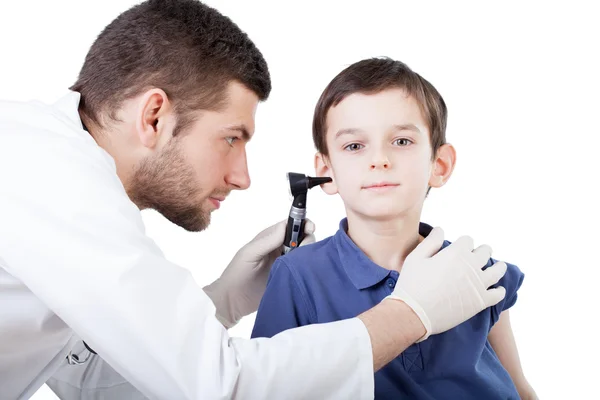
{"x": 386, "y": 242}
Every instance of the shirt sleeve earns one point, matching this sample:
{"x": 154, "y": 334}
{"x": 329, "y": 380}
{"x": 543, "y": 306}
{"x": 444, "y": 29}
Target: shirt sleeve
{"x": 511, "y": 281}
{"x": 283, "y": 305}
{"x": 72, "y": 236}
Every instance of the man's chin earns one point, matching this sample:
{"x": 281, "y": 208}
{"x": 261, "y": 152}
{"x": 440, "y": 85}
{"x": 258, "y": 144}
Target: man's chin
{"x": 196, "y": 222}
{"x": 198, "y": 226}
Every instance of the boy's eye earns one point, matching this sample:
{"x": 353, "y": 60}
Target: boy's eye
{"x": 402, "y": 142}
{"x": 353, "y": 147}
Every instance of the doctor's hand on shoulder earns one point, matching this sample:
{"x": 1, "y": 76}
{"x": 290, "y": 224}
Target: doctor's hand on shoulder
{"x": 238, "y": 291}
{"x": 449, "y": 286}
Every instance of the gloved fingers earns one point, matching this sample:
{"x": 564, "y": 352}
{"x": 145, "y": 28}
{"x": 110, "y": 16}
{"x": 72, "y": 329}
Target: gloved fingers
{"x": 481, "y": 255}
{"x": 268, "y": 240}
{"x": 494, "y": 296}
{"x": 464, "y": 243}
{"x": 493, "y": 274}
{"x": 271, "y": 238}
{"x": 309, "y": 227}
{"x": 430, "y": 245}
{"x": 273, "y": 229}
{"x": 308, "y": 239}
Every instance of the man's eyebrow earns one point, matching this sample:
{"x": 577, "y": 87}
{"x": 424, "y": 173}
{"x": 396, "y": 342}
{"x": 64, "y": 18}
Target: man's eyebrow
{"x": 347, "y": 131}
{"x": 242, "y": 129}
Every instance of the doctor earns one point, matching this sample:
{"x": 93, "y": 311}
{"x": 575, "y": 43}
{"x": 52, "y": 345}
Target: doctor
{"x": 159, "y": 119}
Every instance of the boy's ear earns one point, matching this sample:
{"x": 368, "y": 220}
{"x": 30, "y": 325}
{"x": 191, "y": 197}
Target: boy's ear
{"x": 323, "y": 169}
{"x": 442, "y": 166}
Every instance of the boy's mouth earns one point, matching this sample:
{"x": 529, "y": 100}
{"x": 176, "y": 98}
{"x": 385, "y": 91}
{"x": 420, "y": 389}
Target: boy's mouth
{"x": 379, "y": 186}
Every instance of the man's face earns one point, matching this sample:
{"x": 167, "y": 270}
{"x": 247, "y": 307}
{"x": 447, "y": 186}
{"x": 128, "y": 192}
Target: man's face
{"x": 379, "y": 154}
{"x": 194, "y": 171}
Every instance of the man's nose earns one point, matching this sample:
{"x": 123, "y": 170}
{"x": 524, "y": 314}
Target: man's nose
{"x": 239, "y": 177}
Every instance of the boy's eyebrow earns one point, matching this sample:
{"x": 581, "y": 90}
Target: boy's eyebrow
{"x": 347, "y": 131}
{"x": 407, "y": 127}
{"x": 397, "y": 128}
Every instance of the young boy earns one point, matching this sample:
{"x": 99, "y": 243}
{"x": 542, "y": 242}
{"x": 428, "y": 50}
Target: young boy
{"x": 379, "y": 130}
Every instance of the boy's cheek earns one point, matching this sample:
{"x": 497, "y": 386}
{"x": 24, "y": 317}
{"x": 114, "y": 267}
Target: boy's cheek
{"x": 349, "y": 187}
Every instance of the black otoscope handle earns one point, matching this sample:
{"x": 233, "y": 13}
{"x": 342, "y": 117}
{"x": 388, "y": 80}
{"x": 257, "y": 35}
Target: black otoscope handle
{"x": 294, "y": 232}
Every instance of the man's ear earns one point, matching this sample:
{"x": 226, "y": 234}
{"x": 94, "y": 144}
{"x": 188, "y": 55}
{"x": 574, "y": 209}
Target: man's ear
{"x": 442, "y": 166}
{"x": 153, "y": 117}
{"x": 323, "y": 169}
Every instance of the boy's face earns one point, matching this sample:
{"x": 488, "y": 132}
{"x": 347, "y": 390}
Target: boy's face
{"x": 380, "y": 155}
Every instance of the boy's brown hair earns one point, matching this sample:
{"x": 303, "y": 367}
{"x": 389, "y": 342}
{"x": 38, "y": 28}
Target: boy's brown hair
{"x": 373, "y": 76}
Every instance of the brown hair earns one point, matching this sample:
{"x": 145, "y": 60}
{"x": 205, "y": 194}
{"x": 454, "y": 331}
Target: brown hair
{"x": 183, "y": 47}
{"x": 375, "y": 75}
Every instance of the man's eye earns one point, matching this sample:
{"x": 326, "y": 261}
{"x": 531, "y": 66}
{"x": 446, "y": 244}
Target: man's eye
{"x": 353, "y": 147}
{"x": 402, "y": 142}
{"x": 231, "y": 139}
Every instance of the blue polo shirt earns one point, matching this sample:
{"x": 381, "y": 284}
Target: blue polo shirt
{"x": 333, "y": 280}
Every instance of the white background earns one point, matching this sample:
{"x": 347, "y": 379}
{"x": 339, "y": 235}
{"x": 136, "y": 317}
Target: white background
{"x": 521, "y": 83}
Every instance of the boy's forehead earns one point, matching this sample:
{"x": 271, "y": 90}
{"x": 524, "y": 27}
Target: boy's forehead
{"x": 390, "y": 109}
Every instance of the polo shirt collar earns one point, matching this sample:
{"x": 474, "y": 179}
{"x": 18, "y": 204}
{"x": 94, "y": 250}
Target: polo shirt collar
{"x": 363, "y": 272}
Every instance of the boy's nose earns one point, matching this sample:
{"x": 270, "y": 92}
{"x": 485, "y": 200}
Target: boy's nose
{"x": 382, "y": 163}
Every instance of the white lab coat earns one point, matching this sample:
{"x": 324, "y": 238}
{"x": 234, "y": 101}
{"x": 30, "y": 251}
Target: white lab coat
{"x": 75, "y": 264}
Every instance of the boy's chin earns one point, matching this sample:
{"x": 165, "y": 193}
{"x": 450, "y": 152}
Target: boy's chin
{"x": 382, "y": 214}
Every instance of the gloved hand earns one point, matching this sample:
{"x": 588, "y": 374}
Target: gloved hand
{"x": 240, "y": 288}
{"x": 450, "y": 287}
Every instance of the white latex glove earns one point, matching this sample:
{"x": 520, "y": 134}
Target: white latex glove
{"x": 450, "y": 287}
{"x": 238, "y": 291}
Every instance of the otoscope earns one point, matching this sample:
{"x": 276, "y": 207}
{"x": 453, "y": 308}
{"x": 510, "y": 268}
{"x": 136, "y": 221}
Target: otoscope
{"x": 299, "y": 185}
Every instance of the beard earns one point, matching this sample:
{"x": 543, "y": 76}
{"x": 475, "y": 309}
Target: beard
{"x": 166, "y": 183}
